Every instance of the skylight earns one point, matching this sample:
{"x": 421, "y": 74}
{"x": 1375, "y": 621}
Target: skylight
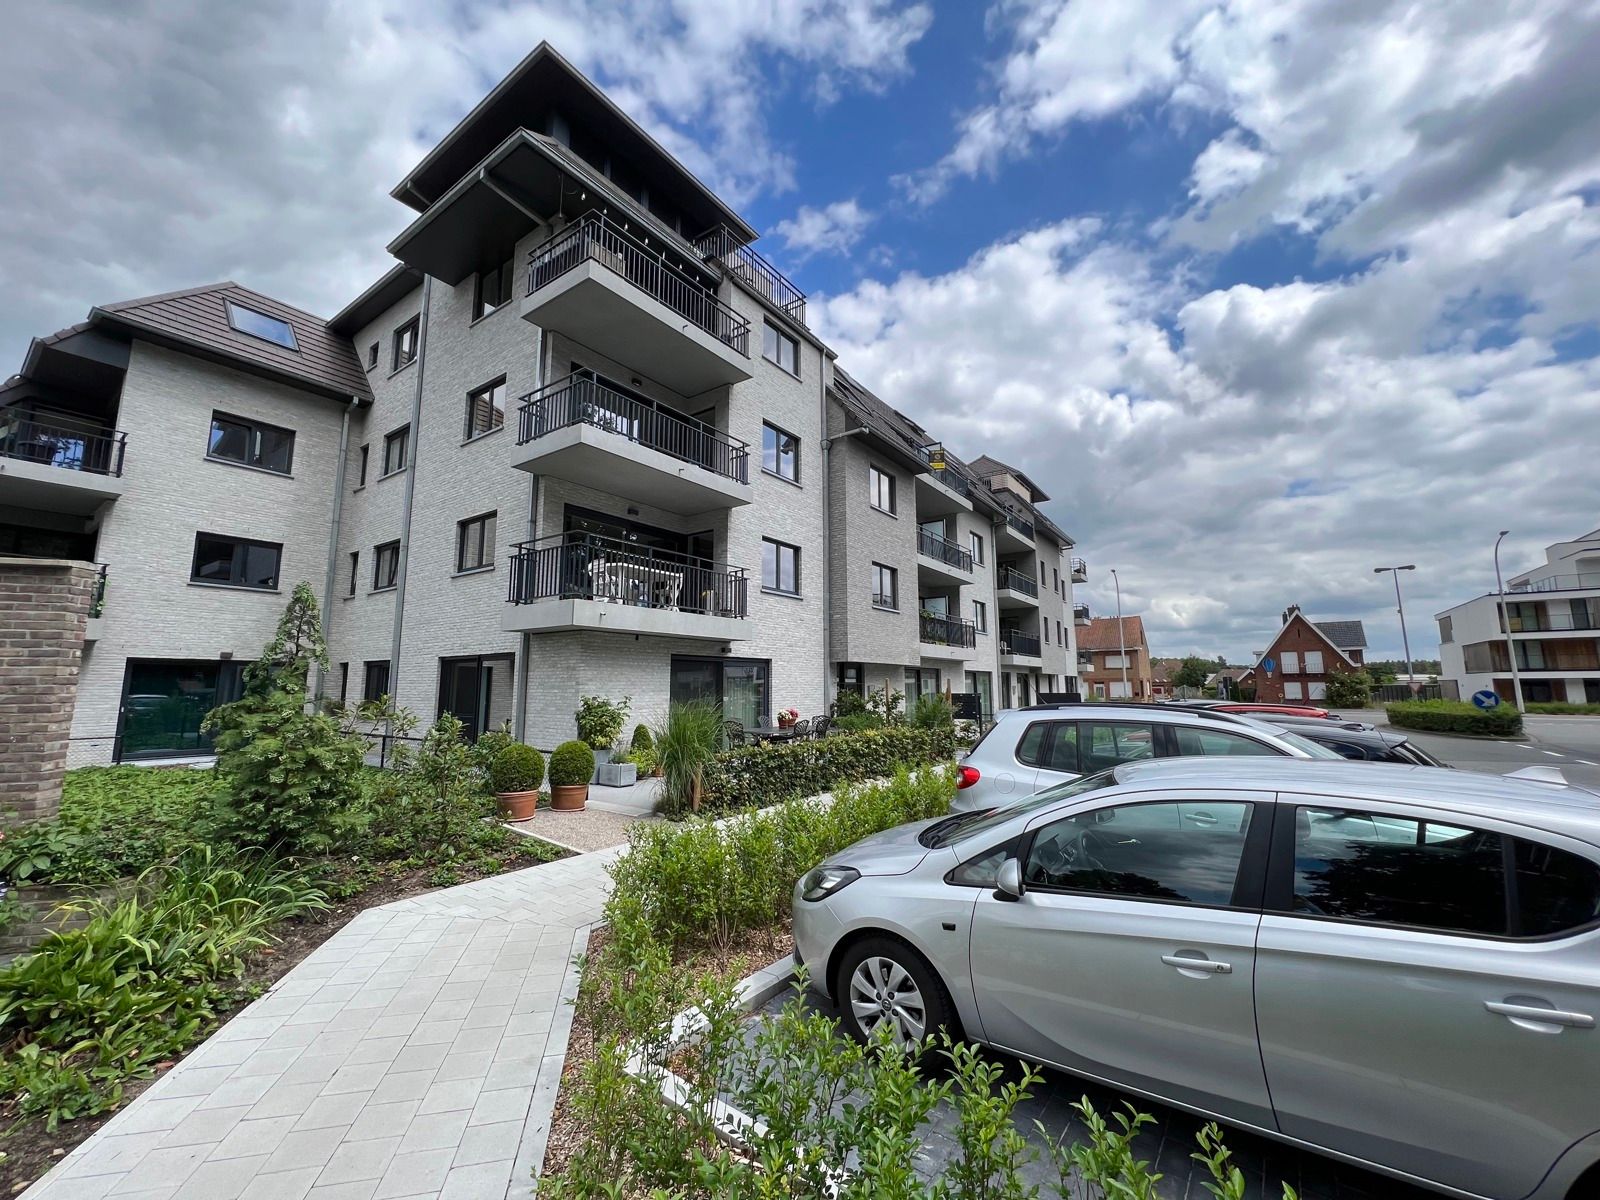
{"x": 257, "y": 324}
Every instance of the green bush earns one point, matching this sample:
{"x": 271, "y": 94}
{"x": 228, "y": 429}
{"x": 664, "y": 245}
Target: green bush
{"x": 600, "y": 720}
{"x": 933, "y": 712}
{"x": 1349, "y": 689}
{"x": 641, "y": 739}
{"x": 571, "y": 763}
{"x": 1454, "y": 716}
{"x": 1561, "y": 709}
{"x": 517, "y": 768}
{"x": 857, "y": 721}
{"x": 752, "y": 775}
{"x": 686, "y": 743}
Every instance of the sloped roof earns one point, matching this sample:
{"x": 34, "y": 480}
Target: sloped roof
{"x": 984, "y": 466}
{"x": 1347, "y": 635}
{"x": 1101, "y": 634}
{"x": 1294, "y": 614}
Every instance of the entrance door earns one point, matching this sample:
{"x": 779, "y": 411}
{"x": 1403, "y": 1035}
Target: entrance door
{"x": 165, "y": 700}
{"x": 476, "y": 692}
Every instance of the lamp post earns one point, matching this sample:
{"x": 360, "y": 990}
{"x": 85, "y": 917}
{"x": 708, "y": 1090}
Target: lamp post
{"x": 1411, "y": 675}
{"x": 1122, "y": 640}
{"x": 1505, "y": 624}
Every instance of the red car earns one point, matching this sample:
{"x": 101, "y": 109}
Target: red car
{"x": 1276, "y": 710}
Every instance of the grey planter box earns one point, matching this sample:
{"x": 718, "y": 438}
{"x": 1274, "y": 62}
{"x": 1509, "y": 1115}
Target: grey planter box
{"x": 615, "y": 774}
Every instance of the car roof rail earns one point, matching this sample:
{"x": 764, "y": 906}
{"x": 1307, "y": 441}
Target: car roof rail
{"x": 1207, "y": 714}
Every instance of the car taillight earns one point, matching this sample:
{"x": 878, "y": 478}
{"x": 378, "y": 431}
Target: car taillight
{"x": 966, "y": 776}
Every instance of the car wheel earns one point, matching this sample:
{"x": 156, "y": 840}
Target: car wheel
{"x": 885, "y": 982}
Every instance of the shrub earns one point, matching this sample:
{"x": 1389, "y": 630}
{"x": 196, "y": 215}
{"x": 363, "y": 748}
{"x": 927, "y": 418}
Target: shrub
{"x": 1454, "y": 716}
{"x": 517, "y": 768}
{"x": 571, "y": 763}
{"x": 933, "y": 712}
{"x": 1349, "y": 689}
{"x": 600, "y": 720}
{"x": 849, "y": 704}
{"x": 751, "y": 775}
{"x": 687, "y": 742}
{"x": 432, "y": 801}
{"x": 641, "y": 738}
{"x": 857, "y": 721}
{"x": 1552, "y": 709}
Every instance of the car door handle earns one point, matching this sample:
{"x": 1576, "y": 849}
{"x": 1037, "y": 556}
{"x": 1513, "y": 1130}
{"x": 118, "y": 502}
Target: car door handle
{"x": 1184, "y": 963}
{"x": 1541, "y": 1016}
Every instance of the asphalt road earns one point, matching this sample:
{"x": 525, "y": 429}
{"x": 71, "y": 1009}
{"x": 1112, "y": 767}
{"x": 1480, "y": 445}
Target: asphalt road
{"x": 1570, "y": 743}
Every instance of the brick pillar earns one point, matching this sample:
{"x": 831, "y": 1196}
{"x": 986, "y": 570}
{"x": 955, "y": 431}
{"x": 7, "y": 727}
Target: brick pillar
{"x": 44, "y": 606}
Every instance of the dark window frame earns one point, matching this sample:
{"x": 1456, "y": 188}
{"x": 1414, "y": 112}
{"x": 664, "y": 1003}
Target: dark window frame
{"x": 378, "y": 554}
{"x": 980, "y": 616}
{"x": 372, "y": 355}
{"x": 504, "y": 277}
{"x": 292, "y": 345}
{"x": 355, "y": 571}
{"x": 400, "y": 355}
{"x": 344, "y": 681}
{"x": 403, "y": 433}
{"x": 893, "y": 576}
{"x": 975, "y": 547}
{"x": 484, "y": 528}
{"x": 239, "y": 543}
{"x": 469, "y": 429}
{"x": 874, "y": 474}
{"x": 361, "y": 477}
{"x": 379, "y": 667}
{"x": 780, "y": 547}
{"x": 253, "y": 431}
{"x": 778, "y": 453}
{"x": 782, "y": 340}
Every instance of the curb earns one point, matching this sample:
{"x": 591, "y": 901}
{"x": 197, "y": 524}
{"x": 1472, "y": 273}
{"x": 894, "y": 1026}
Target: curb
{"x": 529, "y": 1163}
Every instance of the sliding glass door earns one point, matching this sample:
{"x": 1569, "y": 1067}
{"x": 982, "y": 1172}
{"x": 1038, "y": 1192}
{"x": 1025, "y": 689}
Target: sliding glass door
{"x": 165, "y": 700}
{"x": 739, "y": 685}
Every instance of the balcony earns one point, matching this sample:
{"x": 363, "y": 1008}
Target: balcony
{"x": 1013, "y": 589}
{"x": 941, "y": 561}
{"x": 753, "y": 271}
{"x": 58, "y": 466}
{"x": 599, "y": 285}
{"x": 1080, "y": 571}
{"x": 1015, "y": 534}
{"x": 1549, "y": 622}
{"x": 1080, "y": 614}
{"x": 585, "y": 582}
{"x": 1557, "y": 583}
{"x": 1018, "y": 649}
{"x": 942, "y": 490}
{"x": 580, "y": 430}
{"x": 945, "y": 637}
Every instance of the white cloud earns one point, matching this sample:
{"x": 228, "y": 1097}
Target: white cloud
{"x": 833, "y": 229}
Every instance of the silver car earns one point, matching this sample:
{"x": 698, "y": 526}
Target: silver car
{"x": 1397, "y": 966}
{"x": 1030, "y": 749}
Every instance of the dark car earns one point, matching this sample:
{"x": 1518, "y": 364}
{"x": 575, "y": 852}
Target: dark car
{"x": 1368, "y": 745}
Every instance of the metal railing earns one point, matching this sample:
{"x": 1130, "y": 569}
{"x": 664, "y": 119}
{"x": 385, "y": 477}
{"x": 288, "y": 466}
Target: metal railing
{"x": 1017, "y": 582}
{"x": 1551, "y": 622}
{"x": 944, "y": 550}
{"x": 938, "y": 630}
{"x": 589, "y": 566}
{"x": 1080, "y": 614}
{"x": 1014, "y": 641}
{"x": 754, "y": 271}
{"x": 580, "y": 399}
{"x": 594, "y": 238}
{"x": 1557, "y": 583}
{"x": 1020, "y": 524}
{"x": 946, "y": 472}
{"x": 1080, "y": 570}
{"x": 96, "y": 451}
{"x": 97, "y": 602}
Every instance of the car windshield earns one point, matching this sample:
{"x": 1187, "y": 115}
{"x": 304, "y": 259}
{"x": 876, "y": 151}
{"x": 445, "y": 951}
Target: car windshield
{"x": 962, "y": 826}
{"x": 1312, "y": 749}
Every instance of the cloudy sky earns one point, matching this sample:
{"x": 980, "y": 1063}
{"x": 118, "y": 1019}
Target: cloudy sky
{"x": 1265, "y": 293}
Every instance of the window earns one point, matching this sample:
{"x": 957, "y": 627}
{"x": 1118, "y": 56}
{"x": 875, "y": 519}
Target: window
{"x": 1316, "y": 690}
{"x": 777, "y": 346}
{"x": 1293, "y": 691}
{"x": 385, "y": 566}
{"x": 475, "y": 543}
{"x": 780, "y": 453}
{"x": 372, "y": 356}
{"x": 1062, "y": 754}
{"x": 237, "y": 562}
{"x": 1104, "y": 744}
{"x": 376, "y": 680}
{"x": 1313, "y": 662}
{"x": 361, "y": 478}
{"x": 980, "y": 616}
{"x": 492, "y": 291}
{"x": 780, "y": 566}
{"x": 344, "y": 682}
{"x": 250, "y": 443}
{"x": 486, "y": 409}
{"x": 885, "y": 586}
{"x": 1214, "y": 743}
{"x": 1556, "y": 891}
{"x": 396, "y": 448}
{"x": 1447, "y": 629}
{"x": 405, "y": 344}
{"x": 1056, "y": 572}
{"x": 355, "y": 566}
{"x": 977, "y": 548}
{"x": 1033, "y": 744}
{"x": 259, "y": 325}
{"x": 880, "y": 489}
{"x": 1159, "y": 851}
{"x": 1291, "y": 663}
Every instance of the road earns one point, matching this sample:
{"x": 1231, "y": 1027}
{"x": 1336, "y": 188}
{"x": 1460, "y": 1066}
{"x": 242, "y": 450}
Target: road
{"x": 1571, "y": 743}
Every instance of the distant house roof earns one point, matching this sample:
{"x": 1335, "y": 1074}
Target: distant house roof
{"x": 1323, "y": 629}
{"x": 1101, "y": 634}
{"x": 1347, "y": 635}
{"x": 984, "y": 466}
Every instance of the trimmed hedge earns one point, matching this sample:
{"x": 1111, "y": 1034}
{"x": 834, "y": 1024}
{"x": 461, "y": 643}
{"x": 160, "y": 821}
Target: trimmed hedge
{"x": 1561, "y": 709}
{"x": 1454, "y": 716}
{"x": 761, "y": 775}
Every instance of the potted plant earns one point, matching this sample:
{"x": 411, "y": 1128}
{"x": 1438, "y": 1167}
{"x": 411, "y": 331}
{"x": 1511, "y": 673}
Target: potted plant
{"x": 642, "y": 749}
{"x": 571, "y": 767}
{"x": 600, "y": 723}
{"x": 787, "y": 717}
{"x": 516, "y": 773}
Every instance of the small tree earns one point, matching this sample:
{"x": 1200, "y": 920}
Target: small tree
{"x": 1192, "y": 673}
{"x": 1349, "y": 689}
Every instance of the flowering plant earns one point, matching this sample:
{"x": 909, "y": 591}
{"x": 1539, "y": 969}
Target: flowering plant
{"x": 788, "y": 716}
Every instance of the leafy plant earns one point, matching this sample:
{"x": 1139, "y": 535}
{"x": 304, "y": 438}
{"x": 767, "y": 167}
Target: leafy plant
{"x": 571, "y": 763}
{"x": 687, "y": 742}
{"x": 886, "y": 704}
{"x": 1454, "y": 716}
{"x": 1349, "y": 689}
{"x": 600, "y": 720}
{"x": 517, "y": 768}
{"x": 933, "y": 712}
{"x": 641, "y": 739}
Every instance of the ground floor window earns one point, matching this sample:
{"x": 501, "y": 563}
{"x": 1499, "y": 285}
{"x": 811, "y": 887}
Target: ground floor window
{"x": 981, "y": 684}
{"x": 739, "y": 685}
{"x": 1591, "y": 691}
{"x": 375, "y": 680}
{"x": 477, "y": 691}
{"x": 921, "y": 681}
{"x": 165, "y": 700}
{"x": 851, "y": 678}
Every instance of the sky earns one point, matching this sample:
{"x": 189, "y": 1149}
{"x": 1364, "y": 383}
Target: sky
{"x": 1263, "y": 293}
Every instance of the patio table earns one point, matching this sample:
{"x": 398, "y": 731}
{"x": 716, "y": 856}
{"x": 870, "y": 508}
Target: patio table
{"x": 771, "y": 733}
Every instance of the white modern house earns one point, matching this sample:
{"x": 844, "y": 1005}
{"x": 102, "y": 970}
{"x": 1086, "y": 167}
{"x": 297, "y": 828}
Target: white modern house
{"x": 580, "y": 439}
{"x": 1552, "y": 616}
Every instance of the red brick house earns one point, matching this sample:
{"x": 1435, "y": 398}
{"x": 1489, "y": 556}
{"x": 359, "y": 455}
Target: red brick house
{"x": 1101, "y": 650}
{"x": 1303, "y": 655}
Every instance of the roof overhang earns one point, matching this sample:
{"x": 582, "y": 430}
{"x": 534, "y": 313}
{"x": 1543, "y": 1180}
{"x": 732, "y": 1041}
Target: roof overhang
{"x": 397, "y": 283}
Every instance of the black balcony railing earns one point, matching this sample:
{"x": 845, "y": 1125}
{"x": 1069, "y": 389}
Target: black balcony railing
{"x": 1014, "y": 641}
{"x": 594, "y": 238}
{"x": 581, "y": 399}
{"x": 754, "y": 271}
{"x": 588, "y": 566}
{"x": 942, "y": 469}
{"x": 1080, "y": 613}
{"x": 1020, "y": 524}
{"x": 97, "y": 602}
{"x": 1016, "y": 581}
{"x": 1080, "y": 570}
{"x": 72, "y": 447}
{"x": 938, "y": 630}
{"x": 1558, "y": 583}
{"x": 944, "y": 550}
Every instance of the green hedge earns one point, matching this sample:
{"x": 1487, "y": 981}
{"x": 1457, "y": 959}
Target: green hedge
{"x": 762, "y": 775}
{"x": 1454, "y": 716}
{"x": 1558, "y": 709}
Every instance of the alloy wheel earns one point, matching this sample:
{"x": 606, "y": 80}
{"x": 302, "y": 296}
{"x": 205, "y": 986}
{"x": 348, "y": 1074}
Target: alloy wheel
{"x": 883, "y": 990}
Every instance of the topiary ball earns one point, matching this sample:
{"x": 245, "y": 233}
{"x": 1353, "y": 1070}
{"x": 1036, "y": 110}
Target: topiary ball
{"x": 571, "y": 763}
{"x": 517, "y": 768}
{"x": 641, "y": 738}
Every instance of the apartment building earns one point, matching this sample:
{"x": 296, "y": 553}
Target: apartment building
{"x": 1114, "y": 660}
{"x": 1301, "y": 657}
{"x": 578, "y": 440}
{"x": 1553, "y": 615}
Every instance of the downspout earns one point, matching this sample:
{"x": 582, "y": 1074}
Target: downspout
{"x": 329, "y": 580}
{"x": 828, "y": 680}
{"x": 519, "y": 699}
{"x": 411, "y": 488}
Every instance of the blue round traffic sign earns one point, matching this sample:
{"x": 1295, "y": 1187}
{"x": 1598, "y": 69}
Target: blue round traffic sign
{"x": 1486, "y": 698}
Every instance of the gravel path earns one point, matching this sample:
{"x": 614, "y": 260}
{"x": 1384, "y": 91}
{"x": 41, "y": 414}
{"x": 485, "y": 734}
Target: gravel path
{"x": 591, "y": 829}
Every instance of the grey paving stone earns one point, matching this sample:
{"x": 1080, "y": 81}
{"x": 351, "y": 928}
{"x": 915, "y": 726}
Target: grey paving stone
{"x": 290, "y": 1100}
{"x": 450, "y": 1095}
{"x": 332, "y": 1111}
{"x": 255, "y": 1137}
{"x": 383, "y": 1120}
{"x": 419, "y": 1173}
{"x": 357, "y": 1160}
{"x": 221, "y": 1179}
{"x": 306, "y": 1148}
{"x": 205, "y": 1125}
{"x": 476, "y": 1181}
{"x": 362, "y": 1189}
{"x": 402, "y": 1085}
{"x": 507, "y": 1104}
{"x": 362, "y": 1077}
{"x": 488, "y": 1143}
{"x": 282, "y": 1185}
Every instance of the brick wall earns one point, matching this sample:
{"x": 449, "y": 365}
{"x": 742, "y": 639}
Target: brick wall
{"x": 44, "y": 606}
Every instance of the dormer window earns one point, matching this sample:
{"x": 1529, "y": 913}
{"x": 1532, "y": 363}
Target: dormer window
{"x": 260, "y": 325}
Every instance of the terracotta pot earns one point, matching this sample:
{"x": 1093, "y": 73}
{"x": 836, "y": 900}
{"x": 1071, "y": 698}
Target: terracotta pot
{"x": 657, "y": 772}
{"x": 569, "y": 797}
{"x": 517, "y": 806}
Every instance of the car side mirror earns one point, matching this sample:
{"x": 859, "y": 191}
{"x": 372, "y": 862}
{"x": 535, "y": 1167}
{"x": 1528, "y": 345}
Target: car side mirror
{"x": 1008, "y": 880}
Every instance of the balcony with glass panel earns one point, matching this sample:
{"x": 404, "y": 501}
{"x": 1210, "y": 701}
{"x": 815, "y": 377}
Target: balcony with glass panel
{"x": 58, "y": 463}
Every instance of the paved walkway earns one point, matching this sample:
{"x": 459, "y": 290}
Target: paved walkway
{"x": 414, "y": 1053}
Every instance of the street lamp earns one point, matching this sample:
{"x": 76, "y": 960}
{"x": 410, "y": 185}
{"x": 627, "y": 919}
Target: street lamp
{"x": 1411, "y": 676}
{"x": 1122, "y": 641}
{"x": 1505, "y": 624}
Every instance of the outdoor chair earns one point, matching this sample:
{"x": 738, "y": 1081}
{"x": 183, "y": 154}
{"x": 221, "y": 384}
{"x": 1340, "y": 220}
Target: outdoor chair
{"x": 802, "y": 730}
{"x": 735, "y": 732}
{"x": 820, "y": 726}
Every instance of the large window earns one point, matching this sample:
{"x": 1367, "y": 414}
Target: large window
{"x": 250, "y": 443}
{"x": 486, "y": 409}
{"x": 164, "y": 702}
{"x": 1215, "y": 743}
{"x": 880, "y": 489}
{"x": 385, "y": 566}
{"x": 475, "y": 543}
{"x": 355, "y": 569}
{"x": 1313, "y": 662}
{"x": 1291, "y": 662}
{"x": 977, "y": 548}
{"x": 375, "y": 681}
{"x": 780, "y": 566}
{"x": 777, "y": 346}
{"x": 405, "y": 344}
{"x": 780, "y": 453}
{"x": 493, "y": 290}
{"x": 235, "y": 562}
{"x": 1158, "y": 851}
{"x": 885, "y": 586}
{"x": 396, "y": 450}
{"x": 738, "y": 685}
{"x": 260, "y": 325}
{"x": 980, "y": 616}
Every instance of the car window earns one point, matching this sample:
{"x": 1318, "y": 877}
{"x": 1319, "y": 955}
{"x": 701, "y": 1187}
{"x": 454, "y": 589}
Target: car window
{"x": 1218, "y": 743}
{"x": 1062, "y": 754}
{"x": 963, "y": 826}
{"x": 1363, "y": 866}
{"x": 983, "y": 870}
{"x": 1306, "y": 746}
{"x": 1144, "y": 851}
{"x": 1103, "y": 744}
{"x": 1556, "y": 891}
{"x": 1030, "y": 746}
{"x": 1347, "y": 749}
